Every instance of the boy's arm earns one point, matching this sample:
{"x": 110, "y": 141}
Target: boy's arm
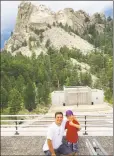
{"x": 74, "y": 118}
{"x": 78, "y": 123}
{"x": 75, "y": 125}
{"x": 66, "y": 125}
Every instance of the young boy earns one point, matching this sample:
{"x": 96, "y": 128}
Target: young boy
{"x": 72, "y": 126}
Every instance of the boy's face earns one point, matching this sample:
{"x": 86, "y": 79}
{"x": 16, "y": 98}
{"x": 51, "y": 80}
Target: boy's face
{"x": 70, "y": 117}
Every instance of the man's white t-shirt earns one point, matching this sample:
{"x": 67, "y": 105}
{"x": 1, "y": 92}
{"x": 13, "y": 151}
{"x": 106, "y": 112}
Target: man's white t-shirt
{"x": 55, "y": 133}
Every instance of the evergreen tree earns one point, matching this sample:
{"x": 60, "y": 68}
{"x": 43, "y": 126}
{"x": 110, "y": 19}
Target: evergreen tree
{"x": 15, "y": 101}
{"x": 20, "y": 84}
{"x": 4, "y": 98}
{"x": 29, "y": 96}
{"x": 47, "y": 43}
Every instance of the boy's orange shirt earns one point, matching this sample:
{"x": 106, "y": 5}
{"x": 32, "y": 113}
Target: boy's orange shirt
{"x": 71, "y": 135}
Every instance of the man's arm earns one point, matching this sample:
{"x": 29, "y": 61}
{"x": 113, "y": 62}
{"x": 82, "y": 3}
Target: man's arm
{"x": 49, "y": 142}
{"x": 50, "y": 134}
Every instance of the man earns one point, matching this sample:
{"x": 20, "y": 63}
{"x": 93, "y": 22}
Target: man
{"x": 53, "y": 144}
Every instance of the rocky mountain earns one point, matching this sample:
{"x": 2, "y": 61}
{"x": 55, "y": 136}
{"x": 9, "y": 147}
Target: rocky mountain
{"x": 37, "y": 26}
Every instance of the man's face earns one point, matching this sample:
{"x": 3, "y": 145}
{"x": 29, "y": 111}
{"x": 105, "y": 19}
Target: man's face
{"x": 59, "y": 118}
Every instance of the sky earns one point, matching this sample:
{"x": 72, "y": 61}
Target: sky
{"x": 9, "y": 10}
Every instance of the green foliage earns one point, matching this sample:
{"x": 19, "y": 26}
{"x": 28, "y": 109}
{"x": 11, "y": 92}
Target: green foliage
{"x": 32, "y": 38}
{"x": 41, "y": 37}
{"x": 37, "y": 31}
{"x": 49, "y": 26}
{"x": 24, "y": 44}
{"x": 98, "y": 19}
{"x": 53, "y": 23}
{"x": 68, "y": 28}
{"x": 15, "y": 101}
{"x": 20, "y": 84}
{"x": 38, "y": 43}
{"x": 86, "y": 79}
{"x": 100, "y": 39}
{"x": 87, "y": 19}
{"x": 48, "y": 43}
{"x": 29, "y": 96}
{"x": 4, "y": 98}
{"x": 109, "y": 19}
{"x": 11, "y": 33}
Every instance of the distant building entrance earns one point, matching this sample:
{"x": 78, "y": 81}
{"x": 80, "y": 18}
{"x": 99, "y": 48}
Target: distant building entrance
{"x": 77, "y": 95}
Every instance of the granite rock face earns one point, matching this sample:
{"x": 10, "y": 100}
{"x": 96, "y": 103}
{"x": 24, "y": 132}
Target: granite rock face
{"x": 37, "y": 24}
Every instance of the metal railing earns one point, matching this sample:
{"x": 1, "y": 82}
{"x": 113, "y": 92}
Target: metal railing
{"x": 87, "y": 122}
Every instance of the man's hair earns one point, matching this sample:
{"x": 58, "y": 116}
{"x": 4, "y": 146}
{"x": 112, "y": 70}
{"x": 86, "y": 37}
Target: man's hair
{"x": 58, "y": 113}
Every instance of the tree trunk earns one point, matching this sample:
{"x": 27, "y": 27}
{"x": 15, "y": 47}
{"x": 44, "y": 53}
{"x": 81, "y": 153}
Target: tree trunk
{"x": 58, "y": 83}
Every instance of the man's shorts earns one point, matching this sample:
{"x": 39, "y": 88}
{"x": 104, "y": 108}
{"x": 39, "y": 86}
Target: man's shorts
{"x": 73, "y": 146}
{"x": 63, "y": 149}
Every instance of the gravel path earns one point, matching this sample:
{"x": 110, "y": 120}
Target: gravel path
{"x": 22, "y": 145}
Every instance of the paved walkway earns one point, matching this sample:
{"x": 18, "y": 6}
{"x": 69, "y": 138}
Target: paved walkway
{"x": 83, "y": 108}
{"x": 32, "y": 145}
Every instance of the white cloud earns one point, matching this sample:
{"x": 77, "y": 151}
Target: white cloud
{"x": 89, "y": 6}
{"x": 9, "y": 9}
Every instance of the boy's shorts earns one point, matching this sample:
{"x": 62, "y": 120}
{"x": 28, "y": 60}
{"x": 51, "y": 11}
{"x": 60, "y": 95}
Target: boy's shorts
{"x": 73, "y": 146}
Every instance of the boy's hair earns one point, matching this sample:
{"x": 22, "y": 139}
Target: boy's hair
{"x": 58, "y": 113}
{"x": 69, "y": 112}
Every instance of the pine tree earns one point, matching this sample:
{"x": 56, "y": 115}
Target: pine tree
{"x": 29, "y": 96}
{"x": 67, "y": 82}
{"x": 4, "y": 98}
{"x": 15, "y": 101}
{"x": 47, "y": 43}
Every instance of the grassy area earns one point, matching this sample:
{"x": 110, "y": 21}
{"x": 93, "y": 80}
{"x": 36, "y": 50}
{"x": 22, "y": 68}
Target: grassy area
{"x": 109, "y": 101}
